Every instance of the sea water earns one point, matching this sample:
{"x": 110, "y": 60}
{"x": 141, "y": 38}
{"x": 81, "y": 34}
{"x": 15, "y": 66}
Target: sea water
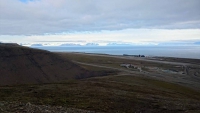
{"x": 167, "y": 51}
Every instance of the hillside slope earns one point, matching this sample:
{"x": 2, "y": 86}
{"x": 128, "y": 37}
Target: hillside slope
{"x": 23, "y": 65}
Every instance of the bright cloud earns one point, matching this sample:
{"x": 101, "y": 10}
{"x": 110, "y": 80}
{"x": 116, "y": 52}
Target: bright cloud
{"x": 52, "y": 16}
{"x": 127, "y": 35}
{"x": 128, "y": 20}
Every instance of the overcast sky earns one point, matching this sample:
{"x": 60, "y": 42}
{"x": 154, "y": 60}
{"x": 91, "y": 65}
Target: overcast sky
{"x": 122, "y": 20}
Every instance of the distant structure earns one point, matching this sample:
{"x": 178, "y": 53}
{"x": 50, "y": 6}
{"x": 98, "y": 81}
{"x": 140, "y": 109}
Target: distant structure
{"x": 134, "y": 55}
{"x": 142, "y": 56}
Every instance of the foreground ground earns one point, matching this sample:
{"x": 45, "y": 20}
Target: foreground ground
{"x": 154, "y": 86}
{"x": 105, "y": 94}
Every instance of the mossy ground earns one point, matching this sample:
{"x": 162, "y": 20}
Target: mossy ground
{"x": 109, "y": 94}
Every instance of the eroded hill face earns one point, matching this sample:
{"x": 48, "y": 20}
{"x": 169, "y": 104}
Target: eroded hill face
{"x": 22, "y": 65}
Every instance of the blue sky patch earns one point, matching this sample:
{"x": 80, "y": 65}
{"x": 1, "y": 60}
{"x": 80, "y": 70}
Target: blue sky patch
{"x": 25, "y": 0}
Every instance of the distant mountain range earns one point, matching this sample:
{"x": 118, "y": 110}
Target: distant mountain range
{"x": 70, "y": 44}
{"x": 75, "y": 44}
{"x": 110, "y": 43}
{"x": 36, "y": 45}
{"x": 92, "y": 44}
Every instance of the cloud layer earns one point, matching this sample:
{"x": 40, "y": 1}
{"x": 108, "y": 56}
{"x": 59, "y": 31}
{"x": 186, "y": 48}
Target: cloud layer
{"x": 139, "y": 36}
{"x": 38, "y": 17}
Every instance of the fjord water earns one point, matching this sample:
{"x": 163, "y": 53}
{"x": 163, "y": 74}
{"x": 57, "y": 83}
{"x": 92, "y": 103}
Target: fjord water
{"x": 167, "y": 51}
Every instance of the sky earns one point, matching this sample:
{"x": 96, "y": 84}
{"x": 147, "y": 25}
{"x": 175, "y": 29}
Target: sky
{"x": 136, "y": 21}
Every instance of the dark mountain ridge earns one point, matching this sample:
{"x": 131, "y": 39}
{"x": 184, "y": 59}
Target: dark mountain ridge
{"x": 23, "y": 65}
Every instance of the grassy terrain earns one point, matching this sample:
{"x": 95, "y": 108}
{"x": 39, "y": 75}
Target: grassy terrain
{"x": 115, "y": 62}
{"x": 185, "y": 60}
{"x": 191, "y": 71}
{"x": 109, "y": 94}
